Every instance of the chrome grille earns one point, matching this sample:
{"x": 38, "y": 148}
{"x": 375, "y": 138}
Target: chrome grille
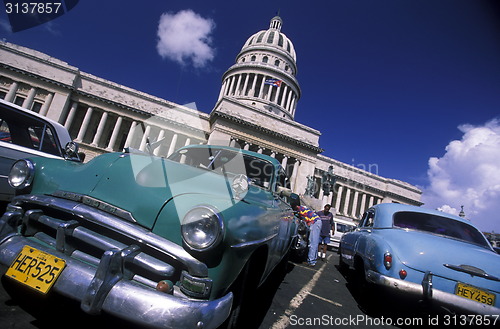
{"x": 87, "y": 234}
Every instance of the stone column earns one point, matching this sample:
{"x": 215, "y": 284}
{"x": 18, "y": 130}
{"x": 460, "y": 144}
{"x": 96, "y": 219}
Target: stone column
{"x": 114, "y": 134}
{"x": 231, "y": 85}
{"x": 222, "y": 89}
{"x": 363, "y": 204}
{"x": 144, "y": 139}
{"x": 46, "y": 104}
{"x": 370, "y": 203}
{"x": 355, "y": 204}
{"x": 85, "y": 125}
{"x": 339, "y": 197}
{"x": 100, "y": 129}
{"x": 11, "y": 95}
{"x": 261, "y": 92}
{"x": 71, "y": 115}
{"x": 236, "y": 91}
{"x": 245, "y": 85}
{"x": 294, "y": 174}
{"x": 290, "y": 95}
{"x": 28, "y": 102}
{"x": 284, "y": 161}
{"x": 347, "y": 200}
{"x": 171, "y": 149}
{"x": 161, "y": 135}
{"x": 130, "y": 135}
{"x": 254, "y": 83}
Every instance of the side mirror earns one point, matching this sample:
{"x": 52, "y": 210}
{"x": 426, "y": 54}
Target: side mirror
{"x": 71, "y": 152}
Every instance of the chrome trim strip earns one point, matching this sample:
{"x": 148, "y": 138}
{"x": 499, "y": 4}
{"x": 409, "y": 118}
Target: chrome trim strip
{"x": 474, "y": 271}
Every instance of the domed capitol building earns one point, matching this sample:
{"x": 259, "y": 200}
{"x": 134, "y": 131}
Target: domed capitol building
{"x": 255, "y": 111}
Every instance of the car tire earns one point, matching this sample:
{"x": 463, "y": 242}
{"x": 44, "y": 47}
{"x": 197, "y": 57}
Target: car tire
{"x": 244, "y": 294}
{"x": 343, "y": 267}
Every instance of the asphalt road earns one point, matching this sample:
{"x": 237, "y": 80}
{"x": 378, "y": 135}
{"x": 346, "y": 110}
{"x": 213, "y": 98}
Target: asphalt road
{"x": 301, "y": 297}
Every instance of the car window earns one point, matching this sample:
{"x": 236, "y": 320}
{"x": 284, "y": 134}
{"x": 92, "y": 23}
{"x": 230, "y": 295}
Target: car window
{"x": 439, "y": 225}
{"x": 23, "y": 130}
{"x": 367, "y": 220}
{"x": 4, "y": 132}
{"x": 259, "y": 172}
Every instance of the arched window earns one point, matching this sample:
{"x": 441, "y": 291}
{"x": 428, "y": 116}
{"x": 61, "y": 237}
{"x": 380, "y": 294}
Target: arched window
{"x": 277, "y": 62}
{"x": 253, "y": 58}
{"x": 280, "y": 41}
{"x": 265, "y": 59}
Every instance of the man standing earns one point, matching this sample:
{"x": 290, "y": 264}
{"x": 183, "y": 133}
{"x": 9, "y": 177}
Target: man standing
{"x": 324, "y": 235}
{"x": 314, "y": 223}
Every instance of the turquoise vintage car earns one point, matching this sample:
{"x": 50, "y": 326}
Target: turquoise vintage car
{"x": 181, "y": 242}
{"x": 425, "y": 255}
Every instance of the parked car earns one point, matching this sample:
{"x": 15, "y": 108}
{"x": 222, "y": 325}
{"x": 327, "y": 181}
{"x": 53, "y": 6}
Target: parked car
{"x": 342, "y": 226}
{"x": 24, "y": 133}
{"x": 427, "y": 255}
{"x": 182, "y": 242}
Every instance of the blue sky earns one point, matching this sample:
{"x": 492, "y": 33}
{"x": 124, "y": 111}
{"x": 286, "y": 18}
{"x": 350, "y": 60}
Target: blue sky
{"x": 407, "y": 88}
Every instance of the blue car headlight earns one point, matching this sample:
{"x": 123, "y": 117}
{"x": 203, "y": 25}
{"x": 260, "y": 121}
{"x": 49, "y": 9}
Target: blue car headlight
{"x": 21, "y": 174}
{"x": 202, "y": 228}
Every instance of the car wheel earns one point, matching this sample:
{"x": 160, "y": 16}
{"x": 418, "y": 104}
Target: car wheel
{"x": 343, "y": 267}
{"x": 244, "y": 294}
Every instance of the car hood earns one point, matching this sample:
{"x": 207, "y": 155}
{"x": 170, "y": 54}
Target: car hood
{"x": 142, "y": 185}
{"x": 442, "y": 256}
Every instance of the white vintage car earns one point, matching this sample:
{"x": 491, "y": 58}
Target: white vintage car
{"x": 24, "y": 133}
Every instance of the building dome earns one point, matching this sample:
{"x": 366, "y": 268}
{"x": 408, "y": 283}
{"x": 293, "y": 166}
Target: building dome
{"x": 273, "y": 37}
{"x": 263, "y": 76}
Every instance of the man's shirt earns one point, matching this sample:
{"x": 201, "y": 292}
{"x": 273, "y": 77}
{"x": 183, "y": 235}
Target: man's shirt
{"x": 326, "y": 222}
{"x": 307, "y": 215}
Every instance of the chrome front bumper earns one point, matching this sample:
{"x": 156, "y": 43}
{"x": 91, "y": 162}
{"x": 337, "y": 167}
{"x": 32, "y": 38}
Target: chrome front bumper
{"x": 426, "y": 292}
{"x": 102, "y": 289}
{"x": 109, "y": 282}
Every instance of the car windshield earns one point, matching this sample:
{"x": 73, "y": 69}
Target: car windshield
{"x": 222, "y": 161}
{"x": 439, "y": 225}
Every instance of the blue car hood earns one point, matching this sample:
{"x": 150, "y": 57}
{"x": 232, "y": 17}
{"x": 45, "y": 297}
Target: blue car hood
{"x": 428, "y": 252}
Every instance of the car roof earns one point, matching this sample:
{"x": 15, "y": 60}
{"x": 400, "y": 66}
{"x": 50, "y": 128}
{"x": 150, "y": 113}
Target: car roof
{"x": 61, "y": 131}
{"x": 388, "y": 209}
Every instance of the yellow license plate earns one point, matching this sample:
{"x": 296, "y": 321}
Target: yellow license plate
{"x": 476, "y": 294}
{"x": 36, "y": 269}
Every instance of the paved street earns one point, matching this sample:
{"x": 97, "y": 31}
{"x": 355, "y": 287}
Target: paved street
{"x": 304, "y": 297}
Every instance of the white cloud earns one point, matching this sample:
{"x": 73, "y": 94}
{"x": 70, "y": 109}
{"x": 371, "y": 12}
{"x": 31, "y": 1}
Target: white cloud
{"x": 185, "y": 38}
{"x": 468, "y": 174}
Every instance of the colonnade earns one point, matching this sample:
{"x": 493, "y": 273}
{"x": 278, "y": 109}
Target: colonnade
{"x": 113, "y": 132}
{"x": 29, "y": 100}
{"x": 352, "y": 202}
{"x": 254, "y": 86}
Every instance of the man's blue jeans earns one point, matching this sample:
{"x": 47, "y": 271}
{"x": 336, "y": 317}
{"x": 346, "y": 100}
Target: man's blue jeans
{"x": 314, "y": 231}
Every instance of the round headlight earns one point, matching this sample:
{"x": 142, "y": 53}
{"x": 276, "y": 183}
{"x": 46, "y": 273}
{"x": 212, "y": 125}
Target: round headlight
{"x": 21, "y": 174}
{"x": 202, "y": 228}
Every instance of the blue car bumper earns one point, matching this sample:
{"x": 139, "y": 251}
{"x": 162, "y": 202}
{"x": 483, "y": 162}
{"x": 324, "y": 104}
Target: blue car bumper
{"x": 425, "y": 291}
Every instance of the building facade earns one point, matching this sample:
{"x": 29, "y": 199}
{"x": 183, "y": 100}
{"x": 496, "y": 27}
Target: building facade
{"x": 255, "y": 111}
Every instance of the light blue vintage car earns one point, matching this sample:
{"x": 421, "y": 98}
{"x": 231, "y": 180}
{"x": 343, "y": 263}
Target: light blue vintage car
{"x": 182, "y": 242}
{"x": 426, "y": 255}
